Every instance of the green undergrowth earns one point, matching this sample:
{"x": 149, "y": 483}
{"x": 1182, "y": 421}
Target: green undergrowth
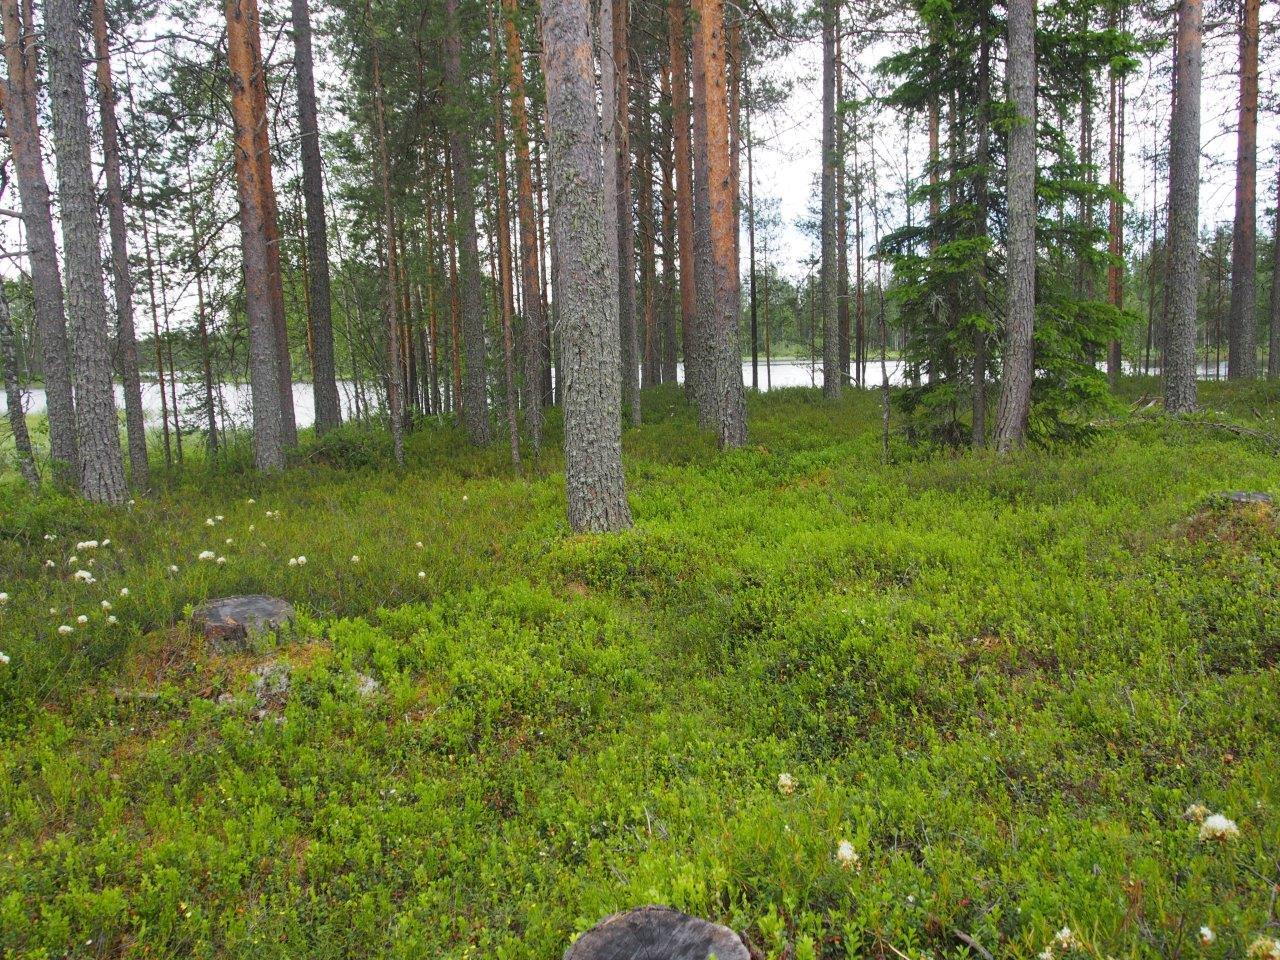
{"x": 1001, "y": 683}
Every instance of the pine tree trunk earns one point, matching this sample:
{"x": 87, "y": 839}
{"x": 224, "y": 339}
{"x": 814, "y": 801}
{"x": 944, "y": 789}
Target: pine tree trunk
{"x": 1115, "y": 270}
{"x": 1273, "y": 326}
{"x": 126, "y": 341}
{"x": 727, "y": 406}
{"x": 535, "y": 318}
{"x": 842, "y": 225}
{"x": 982, "y": 206}
{"x": 626, "y": 222}
{"x": 19, "y": 101}
{"x": 683, "y": 162}
{"x": 830, "y": 319}
{"x": 13, "y": 397}
{"x": 324, "y": 375}
{"x": 264, "y": 367}
{"x": 198, "y": 269}
{"x": 1182, "y": 283}
{"x": 1015, "y": 394}
{"x": 1242, "y": 357}
{"x": 671, "y": 292}
{"x": 586, "y": 282}
{"x": 503, "y": 253}
{"x": 475, "y": 408}
{"x": 97, "y": 431}
{"x": 650, "y": 367}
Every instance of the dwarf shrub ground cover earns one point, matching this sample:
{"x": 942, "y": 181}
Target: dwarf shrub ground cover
{"x": 851, "y": 709}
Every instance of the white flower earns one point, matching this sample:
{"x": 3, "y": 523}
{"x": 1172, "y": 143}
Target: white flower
{"x": 87, "y": 545}
{"x": 422, "y": 574}
{"x": 82, "y": 619}
{"x": 84, "y": 575}
{"x": 846, "y": 856}
{"x": 293, "y": 561}
{"x": 209, "y": 522}
{"x": 72, "y": 560}
{"x": 4, "y": 598}
{"x": 106, "y": 543}
{"x": 106, "y": 605}
{"x": 65, "y": 630}
{"x": 111, "y": 620}
{"x": 4, "y": 658}
{"x": 90, "y": 561}
{"x": 1065, "y": 940}
{"x": 221, "y": 560}
{"x": 418, "y": 544}
{"x": 786, "y": 784}
{"x": 219, "y": 518}
{"x": 173, "y": 568}
{"x": 1207, "y": 936}
{"x": 1264, "y": 948}
{"x": 124, "y": 591}
{"x": 50, "y": 563}
{"x": 251, "y": 500}
{"x": 252, "y": 527}
{"x": 53, "y": 611}
{"x": 465, "y": 498}
{"x": 355, "y": 558}
{"x": 1196, "y": 812}
{"x": 302, "y": 561}
{"x": 229, "y": 541}
{"x": 206, "y": 555}
{"x": 132, "y": 502}
{"x": 1218, "y": 827}
{"x": 50, "y": 537}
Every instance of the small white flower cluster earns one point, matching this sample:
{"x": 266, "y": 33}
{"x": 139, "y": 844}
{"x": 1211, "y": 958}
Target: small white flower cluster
{"x": 1196, "y": 813}
{"x": 50, "y": 537}
{"x": 84, "y": 576}
{"x": 173, "y": 568}
{"x": 846, "y": 856}
{"x": 106, "y": 606}
{"x": 272, "y": 513}
{"x": 4, "y": 659}
{"x": 88, "y": 544}
{"x": 1264, "y": 948}
{"x": 66, "y": 630}
{"x": 206, "y": 555}
{"x": 297, "y": 561}
{"x": 1218, "y": 828}
{"x": 4, "y": 597}
{"x": 1207, "y": 936}
{"x": 124, "y": 591}
{"x": 210, "y": 522}
{"x": 1064, "y": 941}
{"x": 786, "y": 784}
{"x": 355, "y": 558}
{"x": 251, "y": 500}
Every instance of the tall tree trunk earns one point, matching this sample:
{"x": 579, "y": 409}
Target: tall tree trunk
{"x": 475, "y": 408}
{"x": 535, "y": 318}
{"x": 671, "y": 295}
{"x": 690, "y": 236}
{"x": 264, "y": 367}
{"x": 19, "y": 102}
{"x": 1179, "y": 365}
{"x": 155, "y": 311}
{"x": 1273, "y": 326}
{"x": 830, "y": 319}
{"x": 505, "y": 285}
{"x": 198, "y": 269}
{"x": 1115, "y": 269}
{"x": 126, "y": 341}
{"x": 395, "y": 386}
{"x": 586, "y": 281}
{"x": 1242, "y": 357}
{"x": 626, "y": 222}
{"x": 1019, "y": 364}
{"x": 319, "y": 298}
{"x": 751, "y": 253}
{"x": 711, "y": 134}
{"x": 13, "y": 397}
{"x": 649, "y": 345}
{"x": 981, "y": 202}
{"x": 842, "y": 223}
{"x": 97, "y": 431}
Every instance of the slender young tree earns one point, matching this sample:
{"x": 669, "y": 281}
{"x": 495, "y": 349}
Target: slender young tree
{"x": 13, "y": 397}
{"x": 1242, "y": 356}
{"x": 586, "y": 281}
{"x": 831, "y": 373}
{"x": 683, "y": 162}
{"x": 121, "y": 276}
{"x": 19, "y": 102}
{"x": 626, "y": 221}
{"x": 97, "y": 432}
{"x": 475, "y": 410}
{"x": 319, "y": 298}
{"x": 1273, "y": 326}
{"x": 1182, "y": 283}
{"x": 1115, "y": 269}
{"x": 264, "y": 368}
{"x": 1019, "y": 365}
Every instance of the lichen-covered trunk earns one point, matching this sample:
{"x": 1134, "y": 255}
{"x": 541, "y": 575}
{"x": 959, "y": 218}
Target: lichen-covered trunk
{"x": 264, "y": 368}
{"x": 831, "y": 379}
{"x": 1242, "y": 356}
{"x": 725, "y": 403}
{"x": 121, "y": 276}
{"x": 13, "y": 398}
{"x": 586, "y": 280}
{"x": 97, "y": 430}
{"x": 1182, "y": 283}
{"x": 19, "y": 101}
{"x": 535, "y": 318}
{"x": 1014, "y": 407}
{"x": 319, "y": 299}
{"x": 475, "y": 407}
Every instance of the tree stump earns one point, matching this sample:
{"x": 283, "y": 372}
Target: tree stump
{"x": 657, "y": 933}
{"x": 229, "y": 624}
{"x": 1242, "y": 498}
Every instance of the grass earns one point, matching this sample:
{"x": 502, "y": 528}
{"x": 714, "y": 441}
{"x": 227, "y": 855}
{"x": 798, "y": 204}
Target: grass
{"x": 1001, "y": 683}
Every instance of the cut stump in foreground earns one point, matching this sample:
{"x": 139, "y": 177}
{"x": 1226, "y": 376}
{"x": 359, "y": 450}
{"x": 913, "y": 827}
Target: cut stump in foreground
{"x": 657, "y": 933}
{"x": 230, "y": 623}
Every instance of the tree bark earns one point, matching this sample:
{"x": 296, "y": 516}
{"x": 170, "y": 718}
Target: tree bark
{"x": 626, "y": 221}
{"x": 1182, "y": 283}
{"x": 506, "y": 305}
{"x": 586, "y": 282}
{"x": 122, "y": 279}
{"x": 1242, "y": 356}
{"x": 319, "y": 298}
{"x": 692, "y": 214}
{"x": 264, "y": 366}
{"x": 475, "y": 408}
{"x": 726, "y": 404}
{"x": 19, "y": 102}
{"x": 982, "y": 205}
{"x": 1115, "y": 270}
{"x": 830, "y": 319}
{"x": 1273, "y": 338}
{"x": 1019, "y": 366}
{"x": 13, "y": 397}
{"x": 535, "y": 318}
{"x": 97, "y": 431}
{"x": 671, "y": 294}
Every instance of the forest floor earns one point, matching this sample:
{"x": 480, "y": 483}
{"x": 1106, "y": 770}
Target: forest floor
{"x": 1003, "y": 684}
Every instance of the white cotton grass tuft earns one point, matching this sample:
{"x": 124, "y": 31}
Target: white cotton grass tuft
{"x": 106, "y": 605}
{"x": 173, "y": 568}
{"x": 786, "y": 784}
{"x": 4, "y": 659}
{"x": 4, "y": 597}
{"x": 1196, "y": 813}
{"x": 66, "y": 630}
{"x": 49, "y": 564}
{"x": 210, "y": 522}
{"x": 418, "y": 544}
{"x": 111, "y": 620}
{"x": 1207, "y": 936}
{"x": 846, "y": 856}
{"x": 1218, "y": 828}
{"x": 124, "y": 591}
{"x": 84, "y": 576}
{"x": 206, "y": 555}
{"x": 422, "y": 574}
{"x": 355, "y": 558}
{"x": 82, "y": 619}
{"x": 221, "y": 560}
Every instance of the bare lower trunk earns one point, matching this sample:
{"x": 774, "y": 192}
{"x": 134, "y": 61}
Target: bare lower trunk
{"x": 626, "y": 222}
{"x": 1019, "y": 368}
{"x": 13, "y": 398}
{"x": 830, "y": 319}
{"x": 97, "y": 431}
{"x": 475, "y": 409}
{"x": 1179, "y": 367}
{"x": 586, "y": 281}
{"x": 319, "y": 298}
{"x": 126, "y": 341}
{"x": 683, "y": 176}
{"x": 19, "y": 89}
{"x": 1273, "y": 338}
{"x": 1242, "y": 358}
